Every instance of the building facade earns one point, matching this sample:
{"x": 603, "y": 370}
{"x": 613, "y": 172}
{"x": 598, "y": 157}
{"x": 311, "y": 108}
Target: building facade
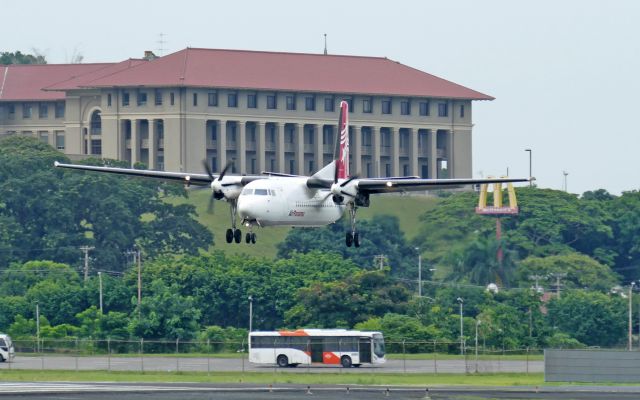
{"x": 263, "y": 111}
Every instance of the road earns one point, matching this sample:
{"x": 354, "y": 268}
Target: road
{"x": 173, "y": 364}
{"x": 185, "y": 391}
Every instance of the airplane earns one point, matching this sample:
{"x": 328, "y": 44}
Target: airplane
{"x": 273, "y": 199}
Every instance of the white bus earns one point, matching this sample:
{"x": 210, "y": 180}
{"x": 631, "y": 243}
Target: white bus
{"x": 316, "y": 346}
{"x": 7, "y": 352}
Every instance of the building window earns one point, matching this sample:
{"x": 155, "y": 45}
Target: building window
{"x": 96, "y": 146}
{"x": 462, "y": 111}
{"x": 195, "y": 99}
{"x": 59, "y": 112}
{"x": 386, "y": 106}
{"x": 366, "y": 105}
{"x": 252, "y": 100}
{"x": 26, "y": 110}
{"x": 158, "y": 97}
{"x": 12, "y": 111}
{"x": 272, "y": 103}
{"x": 349, "y": 101}
{"x": 109, "y": 100}
{"x": 424, "y": 108}
{"x": 214, "y": 133}
{"x": 43, "y": 110}
{"x": 59, "y": 140}
{"x": 172, "y": 98}
{"x": 291, "y": 102}
{"x": 405, "y": 107}
{"x": 142, "y": 98}
{"x": 43, "y": 136}
{"x": 443, "y": 110}
{"x": 125, "y": 99}
{"x": 212, "y": 100}
{"x": 311, "y": 166}
{"x": 310, "y": 103}
{"x": 232, "y": 100}
{"x": 329, "y": 104}
{"x": 214, "y": 163}
{"x": 292, "y": 165}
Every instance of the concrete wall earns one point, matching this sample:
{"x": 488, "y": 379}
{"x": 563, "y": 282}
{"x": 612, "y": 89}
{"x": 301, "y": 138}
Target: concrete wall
{"x": 591, "y": 366}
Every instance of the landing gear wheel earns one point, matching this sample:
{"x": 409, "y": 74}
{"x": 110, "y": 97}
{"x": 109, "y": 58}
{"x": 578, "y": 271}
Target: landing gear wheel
{"x": 237, "y": 235}
{"x": 345, "y": 361}
{"x": 229, "y": 235}
{"x": 247, "y": 238}
{"x": 356, "y": 239}
{"x": 348, "y": 239}
{"x": 282, "y": 361}
{"x": 253, "y": 238}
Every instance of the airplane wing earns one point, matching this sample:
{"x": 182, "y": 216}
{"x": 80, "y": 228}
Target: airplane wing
{"x": 401, "y": 184}
{"x": 181, "y": 177}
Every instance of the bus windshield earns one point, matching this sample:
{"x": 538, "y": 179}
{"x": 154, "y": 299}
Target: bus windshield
{"x": 378, "y": 345}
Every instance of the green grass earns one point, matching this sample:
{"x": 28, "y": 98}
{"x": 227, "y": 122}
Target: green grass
{"x": 374, "y": 378}
{"x": 406, "y": 208}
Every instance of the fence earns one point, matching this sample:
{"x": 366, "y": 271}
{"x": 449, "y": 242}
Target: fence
{"x": 429, "y": 357}
{"x": 591, "y": 365}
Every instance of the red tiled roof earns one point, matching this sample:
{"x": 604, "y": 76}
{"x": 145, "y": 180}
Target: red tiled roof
{"x": 286, "y": 71}
{"x": 25, "y": 82}
{"x": 81, "y": 80}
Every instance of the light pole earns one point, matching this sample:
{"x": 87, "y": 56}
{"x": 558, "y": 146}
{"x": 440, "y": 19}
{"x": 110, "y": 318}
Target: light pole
{"x": 461, "y": 327}
{"x": 250, "y": 313}
{"x": 136, "y": 252}
{"x": 565, "y": 173}
{"x": 478, "y": 322}
{"x": 38, "y": 326}
{"x": 530, "y": 171}
{"x": 100, "y": 282}
{"x": 419, "y": 272}
{"x": 630, "y": 309}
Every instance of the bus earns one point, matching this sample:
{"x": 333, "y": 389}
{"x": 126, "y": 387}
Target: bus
{"x": 316, "y": 346}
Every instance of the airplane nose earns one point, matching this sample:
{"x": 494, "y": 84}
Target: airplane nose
{"x": 244, "y": 208}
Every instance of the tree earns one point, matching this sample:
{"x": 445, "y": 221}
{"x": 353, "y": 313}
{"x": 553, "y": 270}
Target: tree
{"x": 592, "y": 318}
{"x": 20, "y": 58}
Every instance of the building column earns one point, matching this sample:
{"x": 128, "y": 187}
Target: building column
{"x": 357, "y": 150}
{"x": 318, "y": 157}
{"x": 221, "y": 146}
{"x": 153, "y": 145}
{"x": 450, "y": 169}
{"x": 241, "y": 149}
{"x": 135, "y": 142}
{"x": 300, "y": 148}
{"x": 414, "y": 151}
{"x": 432, "y": 146}
{"x": 375, "y": 133}
{"x": 279, "y": 131}
{"x": 261, "y": 145}
{"x": 395, "y": 151}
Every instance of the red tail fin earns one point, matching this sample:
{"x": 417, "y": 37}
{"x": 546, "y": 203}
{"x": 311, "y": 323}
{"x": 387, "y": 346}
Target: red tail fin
{"x": 342, "y": 145}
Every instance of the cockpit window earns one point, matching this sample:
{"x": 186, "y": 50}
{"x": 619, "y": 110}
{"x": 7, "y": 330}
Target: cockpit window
{"x": 261, "y": 192}
{"x": 247, "y": 191}
{"x": 272, "y": 192}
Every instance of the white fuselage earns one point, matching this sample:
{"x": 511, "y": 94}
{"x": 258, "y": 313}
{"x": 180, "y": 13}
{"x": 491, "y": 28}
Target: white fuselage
{"x": 287, "y": 201}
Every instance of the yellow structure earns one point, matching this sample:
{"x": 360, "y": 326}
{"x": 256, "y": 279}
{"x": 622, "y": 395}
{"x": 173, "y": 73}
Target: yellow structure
{"x": 497, "y": 208}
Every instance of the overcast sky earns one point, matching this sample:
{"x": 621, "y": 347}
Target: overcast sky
{"x": 565, "y": 74}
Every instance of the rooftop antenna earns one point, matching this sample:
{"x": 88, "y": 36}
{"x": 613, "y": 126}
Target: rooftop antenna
{"x": 325, "y": 44}
{"x": 161, "y": 42}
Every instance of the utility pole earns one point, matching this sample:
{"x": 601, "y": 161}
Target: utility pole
{"x": 536, "y": 278}
{"x": 100, "y": 280}
{"x": 630, "y": 345}
{"x": 137, "y": 253}
{"x": 38, "y": 326}
{"x": 461, "y": 327}
{"x": 478, "y": 322}
{"x": 530, "y": 171}
{"x": 419, "y": 272}
{"x": 86, "y": 250}
{"x": 558, "y": 276}
{"x": 250, "y": 314}
{"x": 380, "y": 258}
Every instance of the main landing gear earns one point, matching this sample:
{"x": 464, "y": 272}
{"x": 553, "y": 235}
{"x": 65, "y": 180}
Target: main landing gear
{"x": 352, "y": 238}
{"x": 234, "y": 234}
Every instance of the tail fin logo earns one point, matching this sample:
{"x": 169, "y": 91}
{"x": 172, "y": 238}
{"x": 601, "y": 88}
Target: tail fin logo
{"x": 342, "y": 158}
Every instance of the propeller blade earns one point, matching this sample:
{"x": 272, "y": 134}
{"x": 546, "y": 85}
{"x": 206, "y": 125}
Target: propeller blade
{"x": 225, "y": 169}
{"x": 210, "y": 206}
{"x": 352, "y": 177}
{"x": 207, "y": 168}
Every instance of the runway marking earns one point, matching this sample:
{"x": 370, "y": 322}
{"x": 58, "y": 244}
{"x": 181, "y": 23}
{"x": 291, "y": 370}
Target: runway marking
{"x": 28, "y": 387}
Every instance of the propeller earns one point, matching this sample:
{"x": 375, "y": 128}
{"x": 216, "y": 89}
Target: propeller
{"x": 338, "y": 190}
{"x": 216, "y": 183}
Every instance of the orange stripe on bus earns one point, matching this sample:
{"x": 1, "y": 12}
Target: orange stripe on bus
{"x": 298, "y": 332}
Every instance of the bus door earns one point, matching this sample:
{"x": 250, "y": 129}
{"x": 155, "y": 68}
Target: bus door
{"x": 365, "y": 350}
{"x": 316, "y": 350}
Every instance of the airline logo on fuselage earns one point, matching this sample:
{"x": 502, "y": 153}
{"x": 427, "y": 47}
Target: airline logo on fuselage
{"x": 296, "y": 213}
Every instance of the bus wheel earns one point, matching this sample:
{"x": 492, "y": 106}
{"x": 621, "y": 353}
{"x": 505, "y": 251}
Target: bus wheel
{"x": 346, "y": 361}
{"x": 283, "y": 361}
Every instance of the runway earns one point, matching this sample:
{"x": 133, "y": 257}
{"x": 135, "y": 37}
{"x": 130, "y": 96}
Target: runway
{"x": 105, "y": 391}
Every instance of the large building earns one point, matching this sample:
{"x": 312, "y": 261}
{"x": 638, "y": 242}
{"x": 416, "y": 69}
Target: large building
{"x": 267, "y": 111}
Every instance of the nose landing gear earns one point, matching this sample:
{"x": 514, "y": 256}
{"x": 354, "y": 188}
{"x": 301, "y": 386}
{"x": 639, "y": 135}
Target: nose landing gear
{"x": 250, "y": 238}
